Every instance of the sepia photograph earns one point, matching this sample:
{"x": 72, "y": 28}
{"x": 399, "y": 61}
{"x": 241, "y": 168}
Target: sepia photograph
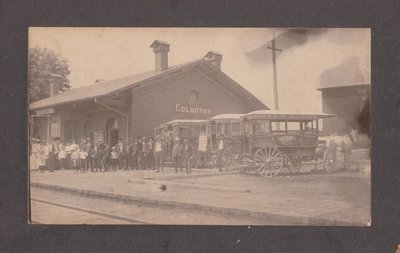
{"x": 199, "y": 126}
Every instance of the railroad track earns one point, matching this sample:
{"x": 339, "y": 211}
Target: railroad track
{"x": 87, "y": 211}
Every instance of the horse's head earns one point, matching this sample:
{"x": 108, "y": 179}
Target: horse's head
{"x": 353, "y": 135}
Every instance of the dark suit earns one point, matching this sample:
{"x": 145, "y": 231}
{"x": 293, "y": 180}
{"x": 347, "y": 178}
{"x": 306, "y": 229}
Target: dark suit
{"x": 133, "y": 155}
{"x": 140, "y": 156}
{"x": 176, "y": 154}
{"x": 123, "y": 155}
{"x": 147, "y": 155}
{"x": 187, "y": 152}
{"x": 159, "y": 155}
{"x": 87, "y": 148}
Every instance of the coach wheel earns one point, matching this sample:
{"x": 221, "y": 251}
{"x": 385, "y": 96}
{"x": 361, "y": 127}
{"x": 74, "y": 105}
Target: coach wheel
{"x": 268, "y": 161}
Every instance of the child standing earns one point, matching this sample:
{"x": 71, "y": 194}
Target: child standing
{"x": 61, "y": 156}
{"x": 83, "y": 156}
{"x": 75, "y": 158}
{"x": 114, "y": 158}
{"x": 94, "y": 159}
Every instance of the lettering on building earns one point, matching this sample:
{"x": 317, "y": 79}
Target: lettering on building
{"x": 191, "y": 109}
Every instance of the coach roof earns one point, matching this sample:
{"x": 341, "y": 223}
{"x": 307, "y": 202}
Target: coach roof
{"x": 286, "y": 115}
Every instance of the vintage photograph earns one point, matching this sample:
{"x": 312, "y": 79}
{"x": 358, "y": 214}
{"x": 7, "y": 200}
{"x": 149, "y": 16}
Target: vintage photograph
{"x": 200, "y": 126}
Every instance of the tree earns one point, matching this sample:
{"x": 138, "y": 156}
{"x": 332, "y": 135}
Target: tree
{"x": 44, "y": 68}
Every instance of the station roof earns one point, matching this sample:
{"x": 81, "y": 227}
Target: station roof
{"x": 117, "y": 86}
{"x": 286, "y": 115}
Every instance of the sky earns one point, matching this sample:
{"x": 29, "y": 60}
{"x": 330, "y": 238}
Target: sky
{"x": 323, "y": 57}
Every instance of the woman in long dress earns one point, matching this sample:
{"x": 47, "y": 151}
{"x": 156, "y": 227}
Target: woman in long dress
{"x": 33, "y": 155}
{"x": 42, "y": 156}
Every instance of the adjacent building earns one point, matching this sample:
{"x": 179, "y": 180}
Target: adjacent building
{"x": 345, "y": 92}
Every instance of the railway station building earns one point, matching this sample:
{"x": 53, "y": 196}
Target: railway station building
{"x": 134, "y": 105}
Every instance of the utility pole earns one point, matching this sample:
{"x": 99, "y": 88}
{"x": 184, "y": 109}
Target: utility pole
{"x": 273, "y": 48}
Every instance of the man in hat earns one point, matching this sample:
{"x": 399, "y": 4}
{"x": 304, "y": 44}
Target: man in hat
{"x": 150, "y": 153}
{"x": 145, "y": 153}
{"x": 187, "y": 152}
{"x": 139, "y": 153}
{"x": 159, "y": 150}
{"x": 221, "y": 146}
{"x": 87, "y": 148}
{"x": 133, "y": 154}
{"x": 123, "y": 154}
{"x": 176, "y": 154}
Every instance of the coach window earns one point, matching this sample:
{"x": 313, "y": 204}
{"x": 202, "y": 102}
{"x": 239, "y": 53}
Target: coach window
{"x": 309, "y": 126}
{"x": 293, "y": 126}
{"x": 248, "y": 128}
{"x": 262, "y": 127}
{"x": 203, "y": 129}
{"x": 227, "y": 128}
{"x": 219, "y": 128}
{"x": 278, "y": 126}
{"x": 235, "y": 128}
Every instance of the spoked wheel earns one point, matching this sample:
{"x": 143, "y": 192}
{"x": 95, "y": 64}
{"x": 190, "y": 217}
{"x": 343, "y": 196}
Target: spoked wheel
{"x": 330, "y": 160}
{"x": 295, "y": 165}
{"x": 268, "y": 161}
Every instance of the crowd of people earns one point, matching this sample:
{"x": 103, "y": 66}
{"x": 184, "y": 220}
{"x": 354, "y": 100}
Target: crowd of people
{"x": 140, "y": 154}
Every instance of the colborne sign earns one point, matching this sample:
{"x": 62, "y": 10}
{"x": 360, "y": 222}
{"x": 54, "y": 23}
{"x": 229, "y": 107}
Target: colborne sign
{"x": 191, "y": 109}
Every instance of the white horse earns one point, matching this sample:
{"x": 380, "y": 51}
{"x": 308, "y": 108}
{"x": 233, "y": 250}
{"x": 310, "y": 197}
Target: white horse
{"x": 343, "y": 144}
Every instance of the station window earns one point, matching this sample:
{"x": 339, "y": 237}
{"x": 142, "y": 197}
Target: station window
{"x": 55, "y": 129}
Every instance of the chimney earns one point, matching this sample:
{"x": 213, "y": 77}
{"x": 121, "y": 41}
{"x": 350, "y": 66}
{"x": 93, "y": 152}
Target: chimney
{"x": 214, "y": 58}
{"x": 55, "y": 84}
{"x": 160, "y": 49}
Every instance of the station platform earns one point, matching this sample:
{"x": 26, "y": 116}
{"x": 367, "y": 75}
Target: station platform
{"x": 318, "y": 198}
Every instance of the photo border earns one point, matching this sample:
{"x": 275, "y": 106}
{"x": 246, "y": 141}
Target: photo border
{"x": 16, "y": 235}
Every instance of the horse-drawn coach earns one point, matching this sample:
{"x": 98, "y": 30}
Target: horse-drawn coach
{"x": 189, "y": 129}
{"x": 271, "y": 140}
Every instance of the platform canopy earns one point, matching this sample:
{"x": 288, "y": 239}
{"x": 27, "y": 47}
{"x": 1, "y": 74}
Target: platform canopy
{"x": 286, "y": 115}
